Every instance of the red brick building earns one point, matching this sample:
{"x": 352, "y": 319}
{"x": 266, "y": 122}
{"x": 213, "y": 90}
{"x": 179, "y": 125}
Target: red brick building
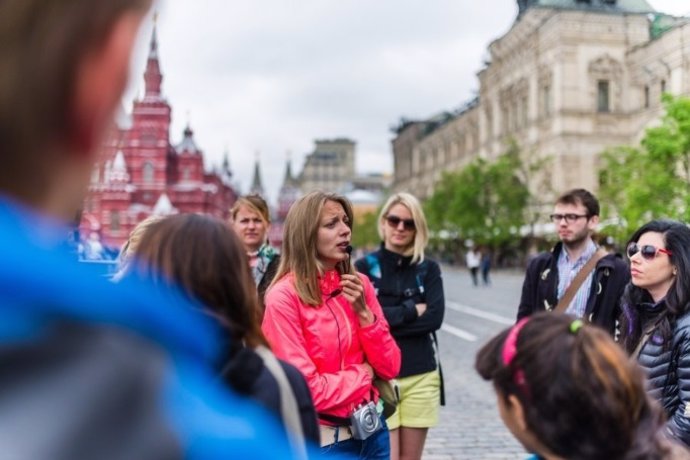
{"x": 140, "y": 172}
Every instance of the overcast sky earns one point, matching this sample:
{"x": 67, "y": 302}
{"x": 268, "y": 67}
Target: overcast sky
{"x": 270, "y": 76}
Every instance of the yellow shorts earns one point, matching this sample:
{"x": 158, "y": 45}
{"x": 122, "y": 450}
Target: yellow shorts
{"x": 420, "y": 399}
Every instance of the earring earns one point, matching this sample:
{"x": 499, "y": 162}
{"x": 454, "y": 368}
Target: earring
{"x": 675, "y": 271}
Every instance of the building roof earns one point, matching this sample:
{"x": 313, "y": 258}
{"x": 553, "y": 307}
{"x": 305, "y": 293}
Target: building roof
{"x": 612, "y": 6}
{"x": 187, "y": 144}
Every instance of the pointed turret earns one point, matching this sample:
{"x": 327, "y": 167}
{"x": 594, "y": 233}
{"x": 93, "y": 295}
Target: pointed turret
{"x": 226, "y": 164}
{"x": 289, "y": 180}
{"x": 187, "y": 145}
{"x": 153, "y": 77}
{"x": 257, "y": 186}
{"x": 163, "y": 206}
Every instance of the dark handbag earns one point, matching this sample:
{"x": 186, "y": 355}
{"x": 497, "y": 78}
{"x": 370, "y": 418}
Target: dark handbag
{"x": 389, "y": 393}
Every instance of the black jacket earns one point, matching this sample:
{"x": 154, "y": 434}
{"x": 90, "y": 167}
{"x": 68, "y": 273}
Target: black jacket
{"x": 540, "y": 288}
{"x": 270, "y": 273}
{"x": 668, "y": 374}
{"x": 398, "y": 290}
{"x": 246, "y": 373}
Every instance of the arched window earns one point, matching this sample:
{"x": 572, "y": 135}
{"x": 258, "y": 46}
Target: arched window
{"x": 114, "y": 221}
{"x": 147, "y": 173}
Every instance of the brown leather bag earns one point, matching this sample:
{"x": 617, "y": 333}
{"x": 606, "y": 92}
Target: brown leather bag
{"x": 580, "y": 278}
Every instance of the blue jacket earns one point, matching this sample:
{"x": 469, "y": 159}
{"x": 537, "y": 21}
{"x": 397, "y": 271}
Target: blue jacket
{"x": 91, "y": 369}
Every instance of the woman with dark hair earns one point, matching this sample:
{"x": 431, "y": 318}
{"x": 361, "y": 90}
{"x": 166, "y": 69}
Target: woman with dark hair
{"x": 204, "y": 258}
{"x": 323, "y": 317}
{"x": 655, "y": 323}
{"x": 565, "y": 390}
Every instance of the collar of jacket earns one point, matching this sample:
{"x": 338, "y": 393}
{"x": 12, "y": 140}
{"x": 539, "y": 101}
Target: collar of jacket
{"x": 604, "y": 262}
{"x": 329, "y": 282}
{"x": 394, "y": 258}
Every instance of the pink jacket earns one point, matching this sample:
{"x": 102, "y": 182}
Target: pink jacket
{"x": 328, "y": 345}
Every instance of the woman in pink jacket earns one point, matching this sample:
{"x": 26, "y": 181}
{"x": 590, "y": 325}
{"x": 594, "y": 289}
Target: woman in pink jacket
{"x": 324, "y": 318}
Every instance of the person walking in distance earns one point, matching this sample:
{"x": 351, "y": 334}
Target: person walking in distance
{"x": 576, "y": 276}
{"x": 410, "y": 289}
{"x": 91, "y": 369}
{"x": 473, "y": 260}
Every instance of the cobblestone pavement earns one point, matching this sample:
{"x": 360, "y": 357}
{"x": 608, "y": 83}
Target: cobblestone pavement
{"x": 470, "y": 427}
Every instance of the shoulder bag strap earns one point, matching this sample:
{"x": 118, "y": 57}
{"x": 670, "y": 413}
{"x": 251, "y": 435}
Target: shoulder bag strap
{"x": 289, "y": 409}
{"x": 580, "y": 278}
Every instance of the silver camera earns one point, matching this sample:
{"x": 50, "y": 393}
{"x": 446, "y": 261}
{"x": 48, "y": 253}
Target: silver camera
{"x": 365, "y": 421}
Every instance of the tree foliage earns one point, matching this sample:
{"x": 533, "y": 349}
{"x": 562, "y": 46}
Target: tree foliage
{"x": 486, "y": 202}
{"x": 651, "y": 181}
{"x": 365, "y": 231}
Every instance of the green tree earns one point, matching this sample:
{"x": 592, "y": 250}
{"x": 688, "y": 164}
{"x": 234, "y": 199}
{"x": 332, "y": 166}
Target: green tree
{"x": 651, "y": 181}
{"x": 365, "y": 231}
{"x": 485, "y": 201}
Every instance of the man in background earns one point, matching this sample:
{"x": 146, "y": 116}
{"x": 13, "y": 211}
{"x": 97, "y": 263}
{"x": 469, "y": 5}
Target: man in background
{"x": 89, "y": 369}
{"x": 549, "y": 275}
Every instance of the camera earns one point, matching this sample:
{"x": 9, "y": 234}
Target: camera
{"x": 365, "y": 421}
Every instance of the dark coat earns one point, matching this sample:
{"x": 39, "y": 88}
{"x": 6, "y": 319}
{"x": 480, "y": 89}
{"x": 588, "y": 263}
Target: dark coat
{"x": 540, "y": 288}
{"x": 668, "y": 374}
{"x": 270, "y": 273}
{"x": 247, "y": 374}
{"x": 398, "y": 290}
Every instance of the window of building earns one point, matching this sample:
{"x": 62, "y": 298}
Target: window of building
{"x": 646, "y": 97}
{"x": 603, "y": 101}
{"x": 114, "y": 221}
{"x": 186, "y": 173}
{"x": 663, "y": 87}
{"x": 546, "y": 100}
{"x": 147, "y": 173}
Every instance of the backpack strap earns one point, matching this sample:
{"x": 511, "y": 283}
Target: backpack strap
{"x": 584, "y": 272}
{"x": 289, "y": 410}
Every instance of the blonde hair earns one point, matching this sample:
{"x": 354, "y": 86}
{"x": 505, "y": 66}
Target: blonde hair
{"x": 421, "y": 235}
{"x": 132, "y": 244}
{"x": 254, "y": 203}
{"x": 299, "y": 255}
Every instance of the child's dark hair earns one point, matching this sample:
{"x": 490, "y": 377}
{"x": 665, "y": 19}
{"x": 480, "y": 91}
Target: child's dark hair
{"x": 582, "y": 397}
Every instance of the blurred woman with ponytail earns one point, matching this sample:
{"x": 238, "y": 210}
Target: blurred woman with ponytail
{"x": 566, "y": 390}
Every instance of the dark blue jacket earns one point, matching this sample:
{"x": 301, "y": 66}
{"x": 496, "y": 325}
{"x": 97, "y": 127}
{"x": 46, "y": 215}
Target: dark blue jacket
{"x": 540, "y": 288}
{"x": 91, "y": 369}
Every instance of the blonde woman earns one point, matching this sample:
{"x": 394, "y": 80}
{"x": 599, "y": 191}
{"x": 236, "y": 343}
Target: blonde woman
{"x": 410, "y": 290}
{"x": 130, "y": 247}
{"x": 323, "y": 318}
{"x": 251, "y": 221}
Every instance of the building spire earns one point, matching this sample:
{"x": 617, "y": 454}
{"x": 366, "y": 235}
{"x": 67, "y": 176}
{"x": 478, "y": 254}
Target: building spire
{"x": 153, "y": 77}
{"x": 257, "y": 186}
{"x": 288, "y": 180}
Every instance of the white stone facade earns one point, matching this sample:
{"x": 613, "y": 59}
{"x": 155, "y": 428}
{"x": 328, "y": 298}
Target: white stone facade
{"x": 565, "y": 84}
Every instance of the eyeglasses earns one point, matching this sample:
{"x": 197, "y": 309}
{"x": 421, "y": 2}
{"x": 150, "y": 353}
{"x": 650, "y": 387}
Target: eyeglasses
{"x": 569, "y": 218}
{"x": 394, "y": 221}
{"x": 647, "y": 251}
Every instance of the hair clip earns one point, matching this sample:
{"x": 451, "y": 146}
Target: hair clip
{"x": 575, "y": 326}
{"x": 510, "y": 351}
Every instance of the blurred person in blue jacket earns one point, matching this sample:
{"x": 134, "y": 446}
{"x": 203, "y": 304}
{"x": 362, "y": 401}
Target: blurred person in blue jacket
{"x": 91, "y": 369}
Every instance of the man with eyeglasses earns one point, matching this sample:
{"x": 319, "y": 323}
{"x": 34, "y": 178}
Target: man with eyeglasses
{"x": 575, "y": 216}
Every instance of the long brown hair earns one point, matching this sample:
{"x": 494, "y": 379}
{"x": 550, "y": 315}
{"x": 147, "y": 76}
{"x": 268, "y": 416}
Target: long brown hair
{"x": 205, "y": 258}
{"x": 299, "y": 255}
{"x": 582, "y": 397}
